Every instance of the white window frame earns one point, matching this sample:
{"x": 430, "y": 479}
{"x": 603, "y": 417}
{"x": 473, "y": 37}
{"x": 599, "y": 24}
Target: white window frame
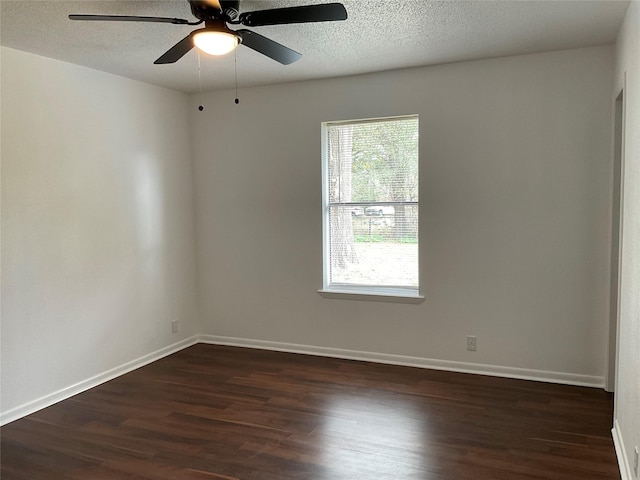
{"x": 400, "y": 294}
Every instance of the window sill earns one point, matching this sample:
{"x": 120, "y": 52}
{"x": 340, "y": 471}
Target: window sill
{"x": 371, "y": 296}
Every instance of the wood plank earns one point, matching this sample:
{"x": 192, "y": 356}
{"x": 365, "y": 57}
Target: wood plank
{"x": 226, "y": 413}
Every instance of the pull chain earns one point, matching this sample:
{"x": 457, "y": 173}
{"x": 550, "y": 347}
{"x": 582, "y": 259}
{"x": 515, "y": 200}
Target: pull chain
{"x": 235, "y": 56}
{"x": 200, "y": 107}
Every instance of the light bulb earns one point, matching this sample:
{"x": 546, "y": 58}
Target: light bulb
{"x": 215, "y": 42}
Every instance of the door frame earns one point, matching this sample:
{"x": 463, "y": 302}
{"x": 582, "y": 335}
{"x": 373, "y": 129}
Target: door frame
{"x": 617, "y": 206}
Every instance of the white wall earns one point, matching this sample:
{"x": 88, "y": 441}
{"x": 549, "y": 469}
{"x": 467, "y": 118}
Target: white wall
{"x": 97, "y": 226}
{"x": 627, "y": 398}
{"x": 515, "y": 167}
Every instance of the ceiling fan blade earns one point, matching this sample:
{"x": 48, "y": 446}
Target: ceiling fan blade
{"x": 126, "y": 18}
{"x": 309, "y": 13}
{"x": 267, "y": 47}
{"x": 176, "y": 52}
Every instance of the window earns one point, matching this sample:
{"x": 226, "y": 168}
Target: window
{"x": 370, "y": 175}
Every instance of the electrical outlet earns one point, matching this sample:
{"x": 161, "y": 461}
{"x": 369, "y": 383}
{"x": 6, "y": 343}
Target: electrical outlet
{"x": 472, "y": 343}
{"x": 636, "y": 454}
{"x": 174, "y": 326}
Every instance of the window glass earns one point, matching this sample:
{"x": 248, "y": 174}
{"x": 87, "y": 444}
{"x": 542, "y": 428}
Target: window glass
{"x": 371, "y": 205}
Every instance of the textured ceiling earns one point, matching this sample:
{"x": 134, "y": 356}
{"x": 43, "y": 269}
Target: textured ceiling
{"x": 378, "y": 35}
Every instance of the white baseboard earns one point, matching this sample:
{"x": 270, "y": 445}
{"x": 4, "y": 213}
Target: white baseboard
{"x": 62, "y": 394}
{"x": 462, "y": 367}
{"x": 492, "y": 370}
{"x": 621, "y": 452}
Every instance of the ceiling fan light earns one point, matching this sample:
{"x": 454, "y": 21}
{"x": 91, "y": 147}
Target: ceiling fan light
{"x": 215, "y": 42}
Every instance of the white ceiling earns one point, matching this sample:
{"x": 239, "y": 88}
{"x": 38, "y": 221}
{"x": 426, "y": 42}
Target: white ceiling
{"x": 378, "y": 35}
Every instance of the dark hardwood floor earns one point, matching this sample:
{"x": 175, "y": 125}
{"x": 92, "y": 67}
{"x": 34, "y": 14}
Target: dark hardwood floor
{"x": 212, "y": 412}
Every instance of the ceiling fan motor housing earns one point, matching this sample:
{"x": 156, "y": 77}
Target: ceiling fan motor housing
{"x": 208, "y": 9}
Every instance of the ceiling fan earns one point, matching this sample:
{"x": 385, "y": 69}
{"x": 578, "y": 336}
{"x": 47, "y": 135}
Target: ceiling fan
{"x": 216, "y": 38}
